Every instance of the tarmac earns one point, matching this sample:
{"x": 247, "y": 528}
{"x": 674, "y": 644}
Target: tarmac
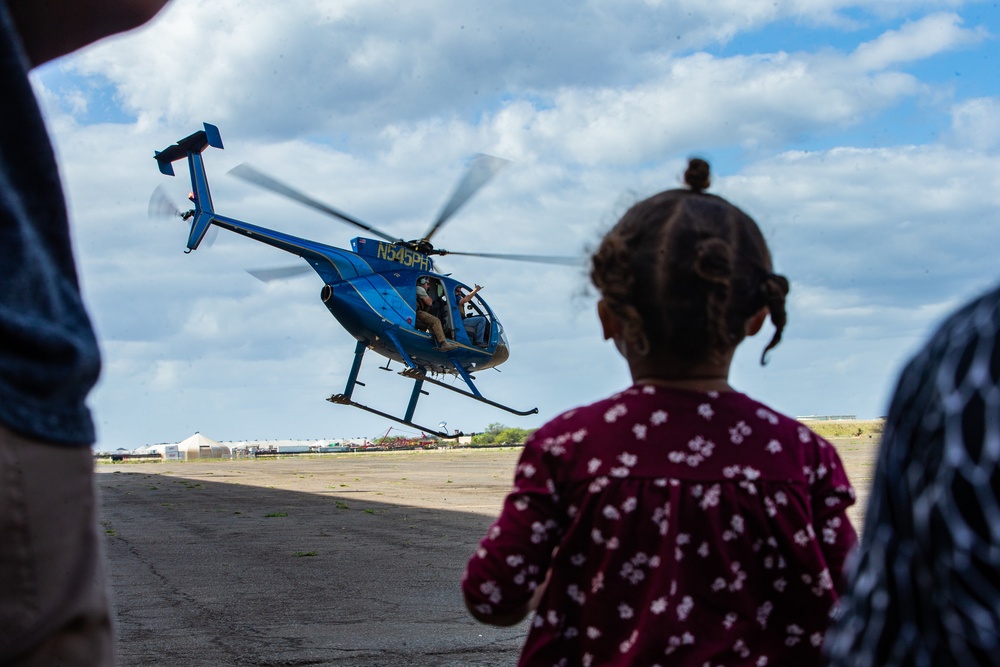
{"x": 349, "y": 559}
{"x": 346, "y": 559}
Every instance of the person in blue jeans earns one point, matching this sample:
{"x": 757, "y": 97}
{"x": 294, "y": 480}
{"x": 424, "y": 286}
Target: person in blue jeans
{"x": 54, "y": 607}
{"x": 475, "y": 325}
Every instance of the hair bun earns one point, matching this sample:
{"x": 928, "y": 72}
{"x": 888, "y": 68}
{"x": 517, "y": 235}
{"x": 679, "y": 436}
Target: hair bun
{"x": 698, "y": 175}
{"x": 775, "y": 286}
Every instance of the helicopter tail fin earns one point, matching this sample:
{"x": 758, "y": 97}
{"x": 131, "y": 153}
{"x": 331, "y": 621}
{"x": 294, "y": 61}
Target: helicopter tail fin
{"x": 195, "y": 143}
{"x": 192, "y": 147}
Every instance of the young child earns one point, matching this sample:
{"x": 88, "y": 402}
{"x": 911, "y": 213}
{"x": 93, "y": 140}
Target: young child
{"x": 678, "y": 522}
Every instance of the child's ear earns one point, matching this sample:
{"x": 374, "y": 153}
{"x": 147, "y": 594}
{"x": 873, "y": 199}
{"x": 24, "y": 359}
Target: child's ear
{"x": 609, "y": 323}
{"x": 754, "y": 324}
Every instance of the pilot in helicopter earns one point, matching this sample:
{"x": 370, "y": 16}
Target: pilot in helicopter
{"x": 474, "y": 323}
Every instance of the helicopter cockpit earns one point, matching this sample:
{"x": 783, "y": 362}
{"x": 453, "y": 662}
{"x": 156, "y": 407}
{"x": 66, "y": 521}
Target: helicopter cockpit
{"x": 469, "y": 324}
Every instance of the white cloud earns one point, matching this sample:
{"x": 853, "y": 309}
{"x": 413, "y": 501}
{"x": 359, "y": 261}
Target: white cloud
{"x": 974, "y": 123}
{"x": 916, "y": 40}
{"x": 377, "y": 111}
{"x": 905, "y": 225}
{"x": 780, "y": 98}
{"x": 878, "y": 243}
{"x": 306, "y": 69}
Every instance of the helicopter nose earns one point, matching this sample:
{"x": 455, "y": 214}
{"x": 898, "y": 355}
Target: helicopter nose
{"x": 501, "y": 354}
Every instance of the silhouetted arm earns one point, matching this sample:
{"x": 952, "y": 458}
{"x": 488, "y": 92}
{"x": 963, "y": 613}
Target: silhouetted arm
{"x": 52, "y": 28}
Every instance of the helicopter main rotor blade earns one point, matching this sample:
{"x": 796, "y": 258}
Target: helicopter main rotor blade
{"x": 249, "y": 174}
{"x": 279, "y": 273}
{"x": 537, "y": 259}
{"x": 482, "y": 169}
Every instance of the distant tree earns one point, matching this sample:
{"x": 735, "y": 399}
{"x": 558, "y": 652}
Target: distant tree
{"x": 489, "y": 434}
{"x": 513, "y": 436}
{"x": 485, "y": 438}
{"x": 500, "y": 434}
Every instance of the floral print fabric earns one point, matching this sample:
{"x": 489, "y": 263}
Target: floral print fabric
{"x": 681, "y": 528}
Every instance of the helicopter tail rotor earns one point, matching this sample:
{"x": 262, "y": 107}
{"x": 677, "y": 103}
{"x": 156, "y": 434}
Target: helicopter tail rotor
{"x": 161, "y": 206}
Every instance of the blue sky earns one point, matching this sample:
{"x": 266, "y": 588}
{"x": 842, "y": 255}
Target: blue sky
{"x": 863, "y": 137}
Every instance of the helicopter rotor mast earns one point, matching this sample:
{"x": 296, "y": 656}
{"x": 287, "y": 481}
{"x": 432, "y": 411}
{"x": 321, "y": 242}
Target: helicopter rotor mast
{"x": 247, "y": 173}
{"x": 480, "y": 172}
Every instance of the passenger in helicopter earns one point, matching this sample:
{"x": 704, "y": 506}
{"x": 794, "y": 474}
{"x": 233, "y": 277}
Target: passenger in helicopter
{"x": 425, "y": 317}
{"x": 440, "y": 308}
{"x": 475, "y": 324}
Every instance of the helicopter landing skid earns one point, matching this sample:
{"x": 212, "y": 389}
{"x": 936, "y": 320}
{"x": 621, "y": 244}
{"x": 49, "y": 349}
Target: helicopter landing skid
{"x": 479, "y": 397}
{"x": 419, "y": 376}
{"x": 419, "y": 373}
{"x": 341, "y": 399}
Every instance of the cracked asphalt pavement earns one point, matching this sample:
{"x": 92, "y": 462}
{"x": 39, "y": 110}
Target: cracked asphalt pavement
{"x": 349, "y": 559}
{"x": 344, "y": 560}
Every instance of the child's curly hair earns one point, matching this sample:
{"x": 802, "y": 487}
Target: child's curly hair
{"x": 684, "y": 270}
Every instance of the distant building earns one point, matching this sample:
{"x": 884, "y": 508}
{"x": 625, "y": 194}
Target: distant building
{"x": 193, "y": 448}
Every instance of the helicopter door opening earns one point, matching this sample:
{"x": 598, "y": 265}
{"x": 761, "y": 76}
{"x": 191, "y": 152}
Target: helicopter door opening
{"x": 439, "y": 308}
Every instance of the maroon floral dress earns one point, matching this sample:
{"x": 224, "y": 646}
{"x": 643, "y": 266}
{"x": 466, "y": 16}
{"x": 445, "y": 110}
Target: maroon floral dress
{"x": 681, "y": 528}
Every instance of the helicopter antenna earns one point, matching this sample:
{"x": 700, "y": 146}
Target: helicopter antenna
{"x": 480, "y": 172}
{"x": 247, "y": 173}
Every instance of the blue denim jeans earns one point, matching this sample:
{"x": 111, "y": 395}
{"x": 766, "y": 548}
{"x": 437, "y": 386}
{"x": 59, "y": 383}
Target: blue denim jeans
{"x": 476, "y": 328}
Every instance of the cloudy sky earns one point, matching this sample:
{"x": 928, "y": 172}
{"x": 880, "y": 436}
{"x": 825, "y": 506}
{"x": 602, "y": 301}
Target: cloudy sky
{"x": 862, "y": 136}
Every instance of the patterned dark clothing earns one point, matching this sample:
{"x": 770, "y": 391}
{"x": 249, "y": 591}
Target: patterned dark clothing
{"x": 692, "y": 529}
{"x": 49, "y": 359}
{"x": 925, "y": 590}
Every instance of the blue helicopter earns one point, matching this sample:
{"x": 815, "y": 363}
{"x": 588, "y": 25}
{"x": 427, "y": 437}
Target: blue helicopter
{"x": 372, "y": 289}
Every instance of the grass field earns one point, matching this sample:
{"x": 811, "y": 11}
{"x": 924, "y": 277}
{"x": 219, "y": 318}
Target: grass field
{"x": 848, "y": 428}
